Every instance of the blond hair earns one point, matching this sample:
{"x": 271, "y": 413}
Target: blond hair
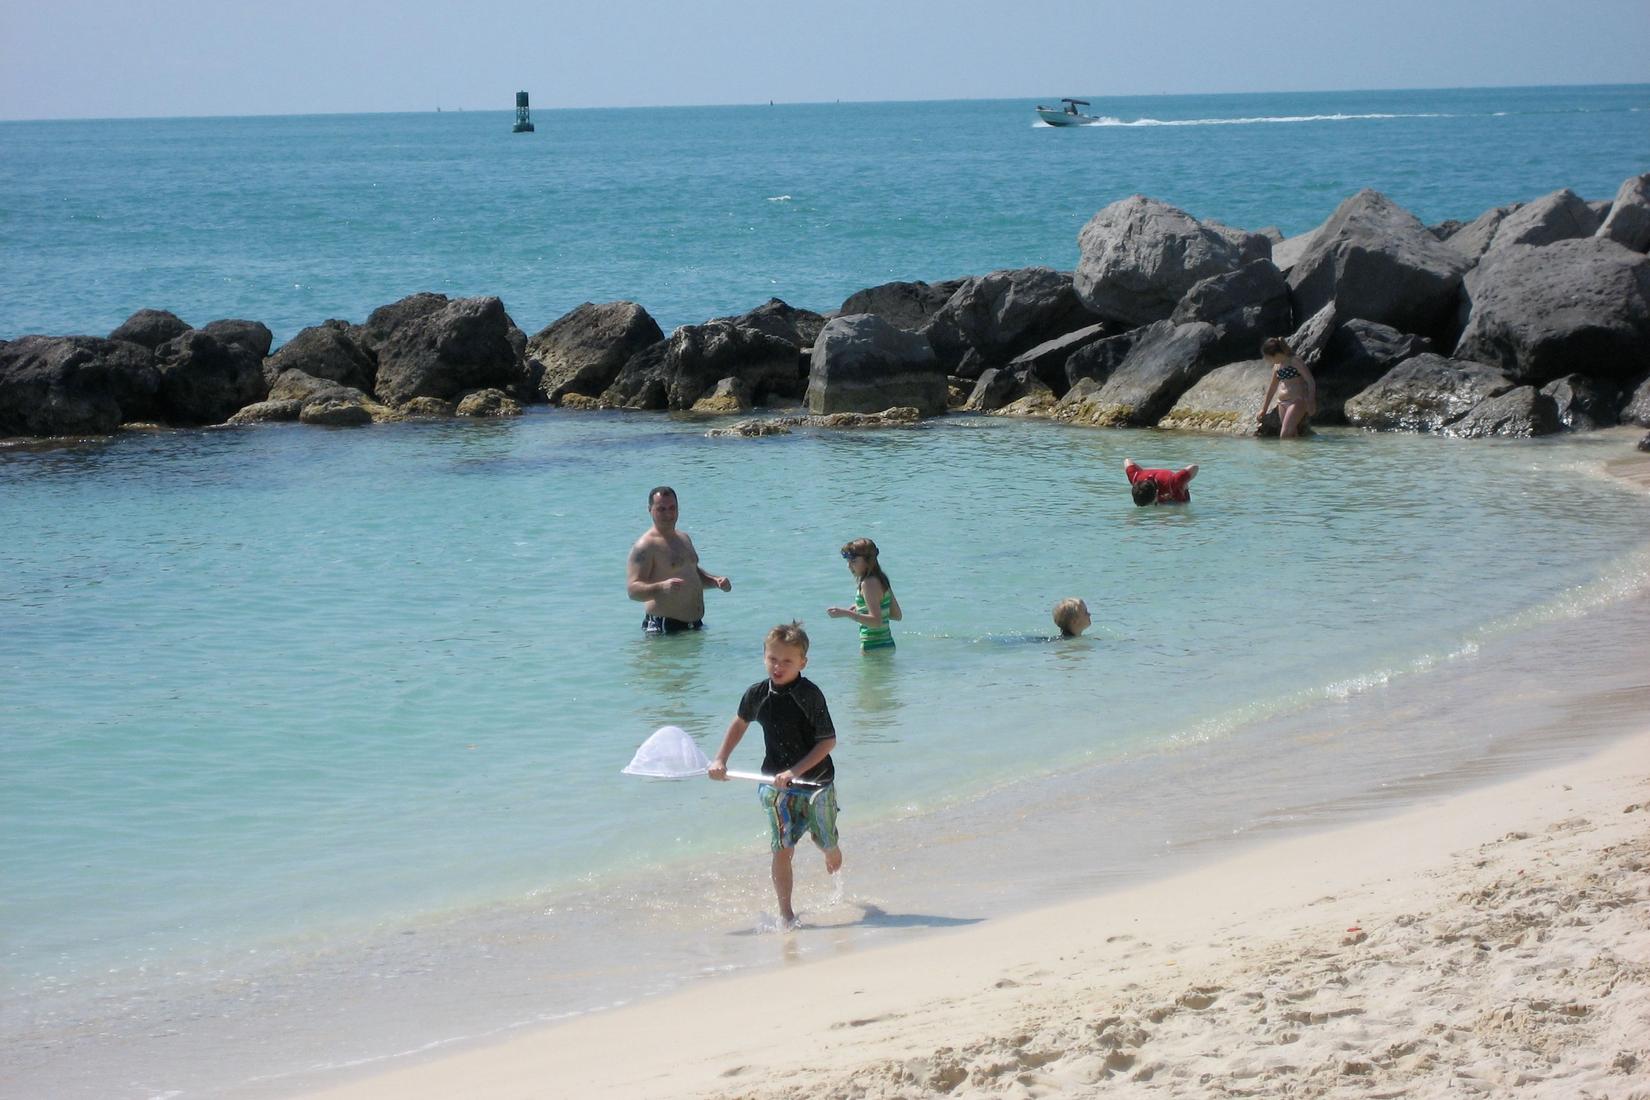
{"x": 1065, "y": 614}
{"x": 790, "y": 634}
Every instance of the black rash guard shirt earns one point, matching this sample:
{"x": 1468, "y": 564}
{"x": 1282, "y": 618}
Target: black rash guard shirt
{"x": 794, "y": 719}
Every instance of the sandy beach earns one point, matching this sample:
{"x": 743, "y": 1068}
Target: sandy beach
{"x": 1493, "y": 942}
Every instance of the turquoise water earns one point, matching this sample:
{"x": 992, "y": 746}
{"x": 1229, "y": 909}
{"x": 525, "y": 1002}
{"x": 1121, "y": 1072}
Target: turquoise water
{"x": 279, "y": 679}
{"x": 698, "y": 212}
{"x": 289, "y": 712}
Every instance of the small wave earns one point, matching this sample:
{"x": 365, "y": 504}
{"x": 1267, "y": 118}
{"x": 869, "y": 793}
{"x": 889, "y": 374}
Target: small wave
{"x": 1107, "y": 120}
{"x": 779, "y": 198}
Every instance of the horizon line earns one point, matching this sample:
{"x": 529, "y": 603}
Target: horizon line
{"x": 440, "y": 109}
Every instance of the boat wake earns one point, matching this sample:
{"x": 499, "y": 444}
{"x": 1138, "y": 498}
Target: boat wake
{"x": 1106, "y": 120}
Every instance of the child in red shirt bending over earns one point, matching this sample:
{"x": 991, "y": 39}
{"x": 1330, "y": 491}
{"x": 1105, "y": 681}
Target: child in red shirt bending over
{"x": 1159, "y": 486}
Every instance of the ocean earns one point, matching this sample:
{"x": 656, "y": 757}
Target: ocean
{"x": 312, "y": 737}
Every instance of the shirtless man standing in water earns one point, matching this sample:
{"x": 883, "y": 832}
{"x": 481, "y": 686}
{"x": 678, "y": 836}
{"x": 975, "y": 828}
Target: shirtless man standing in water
{"x": 664, "y": 571}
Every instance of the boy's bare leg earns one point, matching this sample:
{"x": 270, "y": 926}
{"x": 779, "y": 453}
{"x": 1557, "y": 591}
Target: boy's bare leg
{"x": 833, "y": 860}
{"x": 782, "y": 882}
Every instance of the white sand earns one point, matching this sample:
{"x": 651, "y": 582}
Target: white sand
{"x": 1491, "y": 943}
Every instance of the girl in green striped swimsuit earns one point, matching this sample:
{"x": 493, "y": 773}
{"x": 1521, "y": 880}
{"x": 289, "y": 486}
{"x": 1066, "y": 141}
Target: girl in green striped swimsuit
{"x": 874, "y": 603}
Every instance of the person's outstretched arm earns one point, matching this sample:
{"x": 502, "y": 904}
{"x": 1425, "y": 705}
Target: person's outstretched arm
{"x": 1189, "y": 472}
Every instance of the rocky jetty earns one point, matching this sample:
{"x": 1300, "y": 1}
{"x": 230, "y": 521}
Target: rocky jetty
{"x": 1530, "y": 319}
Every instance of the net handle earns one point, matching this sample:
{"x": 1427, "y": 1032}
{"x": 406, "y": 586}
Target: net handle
{"x": 760, "y": 778}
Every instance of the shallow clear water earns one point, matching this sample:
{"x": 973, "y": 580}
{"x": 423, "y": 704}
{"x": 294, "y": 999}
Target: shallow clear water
{"x": 275, "y": 680}
{"x": 699, "y": 212}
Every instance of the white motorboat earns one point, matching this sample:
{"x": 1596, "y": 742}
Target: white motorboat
{"x": 1068, "y": 115}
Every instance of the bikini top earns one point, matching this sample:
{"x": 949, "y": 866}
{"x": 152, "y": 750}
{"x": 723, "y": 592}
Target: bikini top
{"x": 1286, "y": 372}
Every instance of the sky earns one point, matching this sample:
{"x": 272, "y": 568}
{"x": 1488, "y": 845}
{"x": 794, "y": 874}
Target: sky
{"x": 161, "y": 58}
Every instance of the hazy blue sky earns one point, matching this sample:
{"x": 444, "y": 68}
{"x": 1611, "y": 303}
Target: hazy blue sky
{"x": 78, "y": 58}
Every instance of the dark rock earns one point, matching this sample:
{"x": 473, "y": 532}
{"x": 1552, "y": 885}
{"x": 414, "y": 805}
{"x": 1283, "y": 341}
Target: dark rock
{"x": 1473, "y": 239}
{"x": 425, "y": 408}
{"x": 1000, "y": 387}
{"x": 1098, "y": 360}
{"x": 266, "y": 412}
{"x": 74, "y": 385}
{"x": 729, "y": 395}
{"x": 254, "y": 336}
{"x": 904, "y": 305}
{"x": 1358, "y": 354}
{"x": 1225, "y": 400}
{"x": 151, "y": 328}
{"x": 1560, "y": 216}
{"x": 459, "y": 346}
{"x": 1628, "y": 222}
{"x": 1141, "y": 256}
{"x": 583, "y": 350}
{"x": 1583, "y": 403}
{"x": 330, "y": 350}
{"x": 864, "y": 364}
{"x": 1522, "y": 412}
{"x": 992, "y": 318}
{"x": 776, "y": 318}
{"x": 1644, "y": 444}
{"x": 1375, "y": 260}
{"x": 1164, "y": 362}
{"x": 1245, "y": 306}
{"x": 678, "y": 371}
{"x": 386, "y": 319}
{"x": 1425, "y": 394}
{"x": 1543, "y": 312}
{"x": 1636, "y": 409}
{"x": 1048, "y": 359}
{"x": 487, "y": 403}
{"x": 1447, "y": 228}
{"x": 293, "y": 384}
{"x": 1311, "y": 340}
{"x": 205, "y": 381}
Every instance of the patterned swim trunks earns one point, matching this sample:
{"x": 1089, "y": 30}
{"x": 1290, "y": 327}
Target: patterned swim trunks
{"x": 798, "y": 810}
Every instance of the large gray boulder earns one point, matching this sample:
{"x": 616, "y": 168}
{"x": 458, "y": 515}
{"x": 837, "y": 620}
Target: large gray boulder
{"x": 1141, "y": 256}
{"x": 1287, "y": 252}
{"x": 252, "y": 335}
{"x": 778, "y": 318}
{"x": 1048, "y": 359}
{"x": 1375, "y": 260}
{"x": 331, "y": 350}
{"x": 583, "y": 350}
{"x": 458, "y": 346}
{"x": 1628, "y": 222}
{"x": 384, "y": 320}
{"x": 862, "y": 363}
{"x": 676, "y": 372}
{"x": 1246, "y": 306}
{"x": 1543, "y": 312}
{"x": 990, "y": 319}
{"x": 1560, "y": 216}
{"x": 74, "y": 385}
{"x": 1473, "y": 239}
{"x": 1521, "y": 413}
{"x": 1426, "y": 394}
{"x": 1583, "y": 403}
{"x": 151, "y": 328}
{"x": 1225, "y": 400}
{"x": 907, "y": 305}
{"x": 1164, "y": 362}
{"x": 206, "y": 381}
{"x": 1097, "y": 360}
{"x": 1356, "y": 355}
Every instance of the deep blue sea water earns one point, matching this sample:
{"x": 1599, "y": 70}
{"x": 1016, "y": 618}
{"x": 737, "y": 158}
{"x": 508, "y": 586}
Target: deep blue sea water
{"x": 291, "y": 713}
{"x": 707, "y": 211}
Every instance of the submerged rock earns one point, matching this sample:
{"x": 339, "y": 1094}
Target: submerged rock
{"x": 1521, "y": 412}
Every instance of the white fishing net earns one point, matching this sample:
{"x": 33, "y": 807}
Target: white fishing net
{"x": 669, "y": 754}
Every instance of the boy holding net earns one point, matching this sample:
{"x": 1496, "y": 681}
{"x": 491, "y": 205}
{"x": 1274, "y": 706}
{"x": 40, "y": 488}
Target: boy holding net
{"x": 798, "y": 735}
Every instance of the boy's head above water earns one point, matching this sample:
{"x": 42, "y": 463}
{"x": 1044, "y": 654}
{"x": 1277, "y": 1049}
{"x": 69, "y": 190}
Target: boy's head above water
{"x": 785, "y": 652}
{"x": 1071, "y": 615}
